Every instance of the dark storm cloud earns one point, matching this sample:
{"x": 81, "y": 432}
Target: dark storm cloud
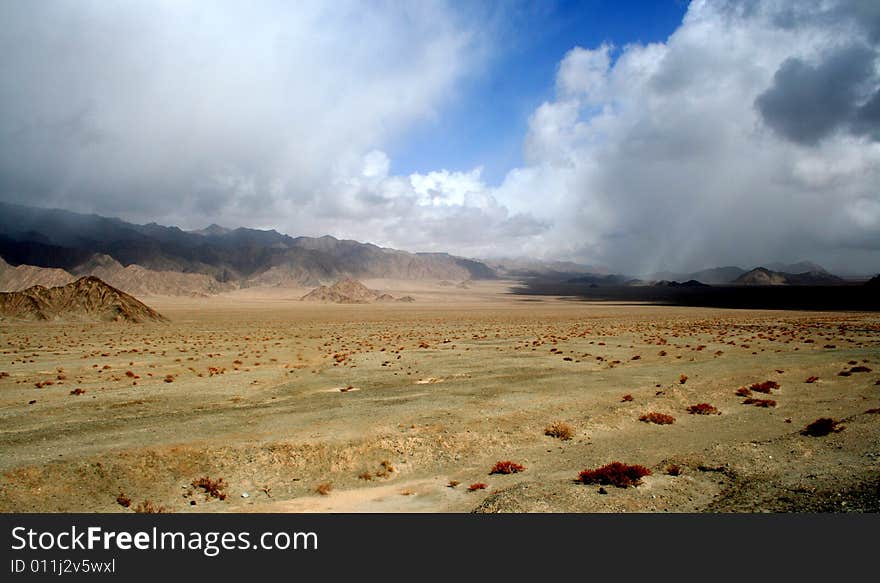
{"x": 808, "y": 102}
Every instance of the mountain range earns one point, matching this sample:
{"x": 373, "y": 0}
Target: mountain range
{"x": 53, "y": 247}
{"x": 157, "y": 259}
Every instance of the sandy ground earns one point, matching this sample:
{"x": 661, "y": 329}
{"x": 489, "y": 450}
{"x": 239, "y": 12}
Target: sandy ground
{"x": 401, "y": 407}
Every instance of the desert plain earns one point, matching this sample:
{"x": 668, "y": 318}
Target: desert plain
{"x": 291, "y": 406}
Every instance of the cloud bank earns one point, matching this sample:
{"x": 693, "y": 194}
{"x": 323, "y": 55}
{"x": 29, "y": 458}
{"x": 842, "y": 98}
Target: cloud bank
{"x": 751, "y": 135}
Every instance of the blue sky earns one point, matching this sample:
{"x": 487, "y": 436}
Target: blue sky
{"x": 486, "y": 120}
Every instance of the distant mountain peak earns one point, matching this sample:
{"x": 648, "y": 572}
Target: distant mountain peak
{"x": 212, "y": 230}
{"x": 763, "y": 276}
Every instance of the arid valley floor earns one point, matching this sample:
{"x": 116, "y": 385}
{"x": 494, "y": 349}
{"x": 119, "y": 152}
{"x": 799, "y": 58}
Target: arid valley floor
{"x": 388, "y": 405}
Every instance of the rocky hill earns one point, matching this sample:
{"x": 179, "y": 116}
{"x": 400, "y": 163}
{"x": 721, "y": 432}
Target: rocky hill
{"x": 349, "y": 291}
{"x": 87, "y": 298}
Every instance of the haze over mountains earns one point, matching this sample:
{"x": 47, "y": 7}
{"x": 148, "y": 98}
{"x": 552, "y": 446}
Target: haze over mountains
{"x": 205, "y": 261}
{"x": 54, "y": 247}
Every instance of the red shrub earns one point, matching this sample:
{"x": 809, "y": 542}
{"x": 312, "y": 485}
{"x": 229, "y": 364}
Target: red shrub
{"x": 616, "y": 474}
{"x": 765, "y": 387}
{"x": 811, "y": 380}
{"x": 477, "y": 486}
{"x": 760, "y": 402}
{"x": 673, "y": 470}
{"x": 627, "y": 398}
{"x": 507, "y": 467}
{"x": 703, "y": 409}
{"x": 822, "y": 426}
{"x": 743, "y": 392}
{"x": 658, "y": 418}
{"x": 123, "y": 500}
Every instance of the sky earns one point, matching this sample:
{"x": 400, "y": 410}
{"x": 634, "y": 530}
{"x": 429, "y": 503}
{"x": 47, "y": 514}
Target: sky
{"x": 639, "y": 136}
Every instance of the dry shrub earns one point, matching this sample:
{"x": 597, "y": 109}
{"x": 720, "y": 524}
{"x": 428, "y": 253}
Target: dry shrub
{"x": 860, "y": 369}
{"x": 627, "y": 398}
{"x": 743, "y": 392}
{"x": 873, "y": 411}
{"x": 365, "y": 476}
{"x": 324, "y": 489}
{"x": 559, "y": 430}
{"x": 477, "y": 486}
{"x": 703, "y": 409}
{"x": 673, "y": 470}
{"x": 453, "y": 484}
{"x": 506, "y": 467}
{"x": 760, "y": 402}
{"x": 78, "y": 391}
{"x": 147, "y": 507}
{"x": 822, "y": 426}
{"x": 682, "y": 379}
{"x": 212, "y": 488}
{"x": 658, "y": 418}
{"x": 811, "y": 380}
{"x": 123, "y": 500}
{"x": 765, "y": 387}
{"x": 615, "y": 474}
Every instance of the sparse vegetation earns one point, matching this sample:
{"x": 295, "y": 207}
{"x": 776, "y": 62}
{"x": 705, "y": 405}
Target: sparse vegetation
{"x": 765, "y": 387}
{"x": 211, "y": 488}
{"x": 123, "y": 500}
{"x": 822, "y": 426}
{"x": 703, "y": 409}
{"x": 559, "y": 430}
{"x": 506, "y": 467}
{"x": 148, "y": 507}
{"x": 615, "y": 474}
{"x": 657, "y": 418}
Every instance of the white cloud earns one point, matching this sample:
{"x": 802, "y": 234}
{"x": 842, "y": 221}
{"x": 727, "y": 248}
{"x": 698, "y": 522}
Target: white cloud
{"x": 661, "y": 160}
